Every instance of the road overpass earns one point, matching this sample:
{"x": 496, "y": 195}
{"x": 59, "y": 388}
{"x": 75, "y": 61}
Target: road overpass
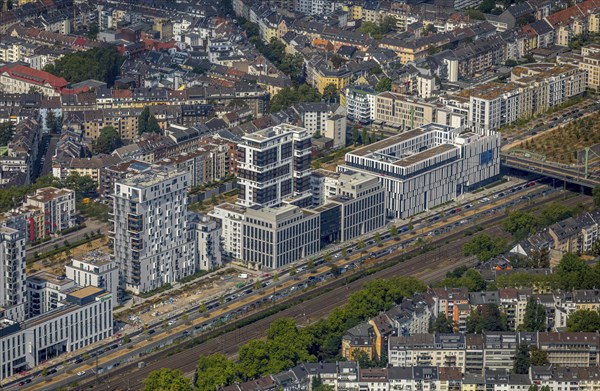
{"x": 572, "y": 174}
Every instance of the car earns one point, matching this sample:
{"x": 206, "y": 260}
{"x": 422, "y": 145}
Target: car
{"x": 171, "y": 322}
{"x": 80, "y": 373}
{"x": 150, "y": 332}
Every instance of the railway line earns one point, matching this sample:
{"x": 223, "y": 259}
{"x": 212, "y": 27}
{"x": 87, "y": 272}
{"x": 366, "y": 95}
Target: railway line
{"x": 421, "y": 266}
{"x": 334, "y": 292}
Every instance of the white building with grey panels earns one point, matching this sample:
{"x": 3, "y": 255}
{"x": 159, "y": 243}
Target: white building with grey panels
{"x": 427, "y": 166}
{"x": 151, "y": 242}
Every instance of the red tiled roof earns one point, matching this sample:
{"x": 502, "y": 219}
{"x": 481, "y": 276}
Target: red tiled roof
{"x": 34, "y": 76}
{"x": 121, "y": 93}
{"x": 577, "y": 11}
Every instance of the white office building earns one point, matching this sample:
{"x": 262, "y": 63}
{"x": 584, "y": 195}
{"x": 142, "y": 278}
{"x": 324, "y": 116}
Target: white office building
{"x": 98, "y": 269}
{"x": 83, "y": 318}
{"x": 362, "y": 204}
{"x": 427, "y": 166}
{"x": 12, "y": 274}
{"x": 275, "y": 237}
{"x": 323, "y": 185}
{"x": 151, "y": 242}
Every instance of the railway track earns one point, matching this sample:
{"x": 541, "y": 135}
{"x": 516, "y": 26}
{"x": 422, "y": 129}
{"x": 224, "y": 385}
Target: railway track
{"x": 430, "y": 267}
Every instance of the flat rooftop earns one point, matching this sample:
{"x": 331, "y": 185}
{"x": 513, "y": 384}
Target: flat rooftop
{"x": 152, "y": 177}
{"x": 95, "y": 257}
{"x": 388, "y": 142}
{"x": 231, "y": 207}
{"x": 85, "y": 292}
{"x": 429, "y": 153}
{"x": 45, "y": 276}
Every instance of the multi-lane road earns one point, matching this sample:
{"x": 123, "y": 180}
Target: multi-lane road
{"x": 430, "y": 266}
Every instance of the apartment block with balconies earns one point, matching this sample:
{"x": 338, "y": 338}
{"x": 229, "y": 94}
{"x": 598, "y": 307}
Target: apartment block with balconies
{"x": 151, "y": 242}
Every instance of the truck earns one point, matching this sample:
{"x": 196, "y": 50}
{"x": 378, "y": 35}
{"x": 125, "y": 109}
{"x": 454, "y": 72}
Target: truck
{"x": 243, "y": 276}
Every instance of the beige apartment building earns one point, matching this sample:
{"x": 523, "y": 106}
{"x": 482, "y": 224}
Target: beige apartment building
{"x": 401, "y": 111}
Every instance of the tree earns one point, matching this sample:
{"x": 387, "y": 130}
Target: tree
{"x": 344, "y": 252}
{"x": 572, "y": 271}
{"x": 555, "y": 212}
{"x": 596, "y": 196}
{"x": 202, "y": 308}
{"x": 511, "y": 63}
{"x": 83, "y": 185}
{"x": 101, "y": 63}
{"x": 486, "y": 318}
{"x": 484, "y": 247}
{"x": 330, "y": 93}
{"x": 293, "y": 271}
{"x": 376, "y": 70}
{"x": 583, "y": 321}
{"x": 442, "y": 325}
{"x": 337, "y": 60}
{"x": 53, "y": 122}
{"x": 394, "y": 231}
{"x": 384, "y": 84}
{"x": 535, "y": 316}
{"x": 143, "y": 120}
{"x": 355, "y": 135}
{"x": 469, "y": 278}
{"x": 6, "y": 133}
{"x": 289, "y": 96}
{"x": 521, "y": 362}
{"x": 93, "y": 31}
{"x": 520, "y": 224}
{"x": 364, "y": 138}
{"x": 214, "y": 371}
{"x": 153, "y": 126}
{"x": 378, "y": 239}
{"x": 310, "y": 264}
{"x": 108, "y": 141}
{"x": 166, "y": 379}
{"x": 538, "y": 357}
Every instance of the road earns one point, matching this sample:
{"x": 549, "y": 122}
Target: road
{"x": 551, "y": 170}
{"x": 421, "y": 266}
{"x": 90, "y": 226}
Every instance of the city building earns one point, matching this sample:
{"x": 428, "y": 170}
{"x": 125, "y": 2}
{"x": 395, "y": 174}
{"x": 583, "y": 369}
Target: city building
{"x": 273, "y": 165}
{"x": 13, "y": 296}
{"x": 360, "y": 104}
{"x": 230, "y": 218}
{"x": 273, "y": 237}
{"x": 427, "y": 166}
{"x": 57, "y": 206}
{"x": 401, "y": 111}
{"x": 151, "y": 243}
{"x": 45, "y": 291}
{"x": 17, "y": 78}
{"x": 82, "y": 318}
{"x": 323, "y": 185}
{"x": 207, "y": 236}
{"x": 96, "y": 269}
{"x": 362, "y": 204}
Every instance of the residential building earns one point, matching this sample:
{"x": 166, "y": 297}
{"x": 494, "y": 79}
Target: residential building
{"x": 274, "y": 164}
{"x": 151, "y": 243}
{"x": 230, "y": 218}
{"x": 16, "y": 78}
{"x": 96, "y": 269}
{"x": 427, "y": 166}
{"x": 323, "y": 185}
{"x": 45, "y": 291}
{"x": 401, "y": 111}
{"x": 207, "y": 236}
{"x": 12, "y": 275}
{"x": 533, "y": 89}
{"x": 360, "y": 338}
{"x": 57, "y": 206}
{"x": 360, "y": 104}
